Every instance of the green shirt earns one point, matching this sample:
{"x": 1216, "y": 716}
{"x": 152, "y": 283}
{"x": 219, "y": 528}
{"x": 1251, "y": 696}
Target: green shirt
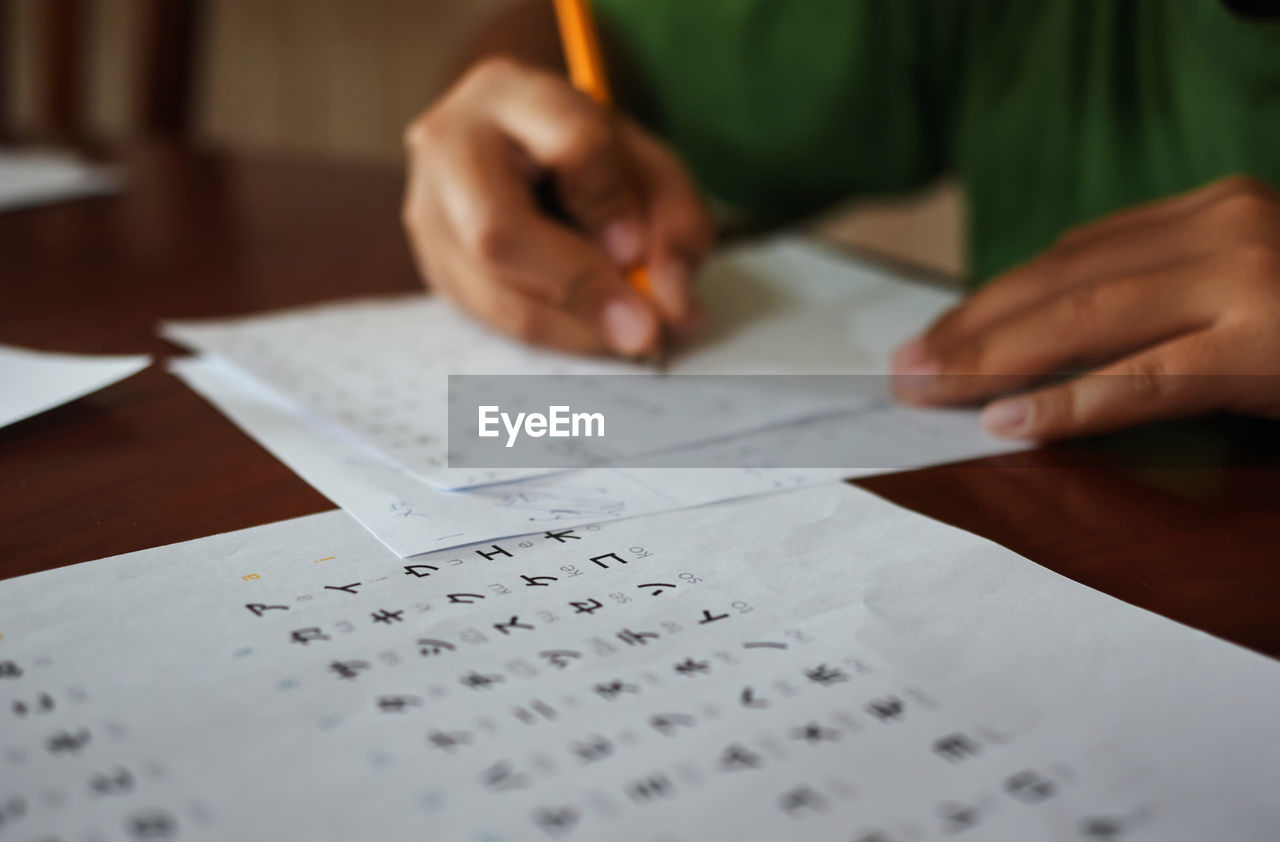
{"x": 1051, "y": 112}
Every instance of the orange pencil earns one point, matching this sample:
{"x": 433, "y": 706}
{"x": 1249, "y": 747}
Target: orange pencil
{"x": 586, "y": 72}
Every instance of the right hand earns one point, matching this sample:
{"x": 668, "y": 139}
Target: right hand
{"x": 480, "y": 238}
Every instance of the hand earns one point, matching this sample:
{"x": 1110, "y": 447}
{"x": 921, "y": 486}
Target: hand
{"x": 480, "y": 237}
{"x": 1173, "y": 300}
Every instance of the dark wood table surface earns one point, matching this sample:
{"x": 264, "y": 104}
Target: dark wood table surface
{"x": 1193, "y": 534}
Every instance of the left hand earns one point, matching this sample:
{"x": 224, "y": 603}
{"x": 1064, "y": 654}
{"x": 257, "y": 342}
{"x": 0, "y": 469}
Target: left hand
{"x": 1171, "y": 302}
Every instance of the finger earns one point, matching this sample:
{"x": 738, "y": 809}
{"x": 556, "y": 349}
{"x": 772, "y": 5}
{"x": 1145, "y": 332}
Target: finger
{"x": 576, "y": 139}
{"x": 1086, "y": 325}
{"x": 1169, "y": 381}
{"x": 1133, "y": 241}
{"x": 679, "y": 227}
{"x": 1129, "y": 251}
{"x": 495, "y": 222}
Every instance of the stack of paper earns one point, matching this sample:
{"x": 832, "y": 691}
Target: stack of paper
{"x": 351, "y": 396}
{"x": 818, "y": 665}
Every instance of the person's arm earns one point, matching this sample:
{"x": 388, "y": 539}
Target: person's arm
{"x": 1173, "y": 306}
{"x": 478, "y": 156}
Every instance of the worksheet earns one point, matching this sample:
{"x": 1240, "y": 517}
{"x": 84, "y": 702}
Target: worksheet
{"x": 33, "y": 381}
{"x": 814, "y": 665}
{"x": 38, "y": 177}
{"x": 411, "y": 516}
{"x": 376, "y": 370}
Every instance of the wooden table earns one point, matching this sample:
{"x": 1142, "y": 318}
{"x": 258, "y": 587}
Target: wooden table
{"x": 146, "y": 462}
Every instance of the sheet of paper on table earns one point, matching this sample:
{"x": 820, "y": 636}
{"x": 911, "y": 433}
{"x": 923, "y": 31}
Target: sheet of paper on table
{"x": 820, "y": 665}
{"x": 33, "y": 381}
{"x": 376, "y": 370}
{"x": 412, "y": 517}
{"x": 30, "y": 178}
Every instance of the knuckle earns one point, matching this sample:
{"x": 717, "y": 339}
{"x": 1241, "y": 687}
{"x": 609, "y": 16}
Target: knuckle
{"x": 1079, "y": 307}
{"x": 417, "y": 216}
{"x": 1259, "y": 260}
{"x": 1241, "y": 204}
{"x": 490, "y": 71}
{"x": 573, "y": 289}
{"x": 588, "y": 140}
{"x": 1056, "y": 409}
{"x": 418, "y": 132}
{"x": 490, "y": 238}
{"x": 1147, "y": 379}
{"x": 566, "y": 292}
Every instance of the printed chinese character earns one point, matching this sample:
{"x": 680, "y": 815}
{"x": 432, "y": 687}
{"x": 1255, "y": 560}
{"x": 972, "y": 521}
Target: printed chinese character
{"x": 429, "y": 646}
{"x": 398, "y": 704}
{"x": 559, "y": 658}
{"x": 691, "y": 667}
{"x": 612, "y": 689}
{"x": 480, "y": 681}
{"x": 825, "y": 676}
{"x": 955, "y": 747}
{"x": 348, "y": 670}
{"x": 814, "y": 733}
{"x": 515, "y": 623}
{"x": 634, "y": 638}
{"x": 592, "y": 748}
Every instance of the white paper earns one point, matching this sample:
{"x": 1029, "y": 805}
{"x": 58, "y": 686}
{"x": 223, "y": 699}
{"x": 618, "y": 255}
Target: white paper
{"x": 816, "y": 665}
{"x": 377, "y": 369}
{"x": 411, "y": 516}
{"x": 30, "y": 178}
{"x": 33, "y": 381}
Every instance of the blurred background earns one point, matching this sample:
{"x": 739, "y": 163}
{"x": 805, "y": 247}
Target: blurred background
{"x": 335, "y": 79}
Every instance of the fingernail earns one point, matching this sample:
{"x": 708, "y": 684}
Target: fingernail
{"x": 628, "y": 325}
{"x": 623, "y": 240}
{"x": 1007, "y": 418}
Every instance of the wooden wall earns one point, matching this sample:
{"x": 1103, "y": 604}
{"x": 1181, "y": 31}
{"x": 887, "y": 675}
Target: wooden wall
{"x": 328, "y": 76}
